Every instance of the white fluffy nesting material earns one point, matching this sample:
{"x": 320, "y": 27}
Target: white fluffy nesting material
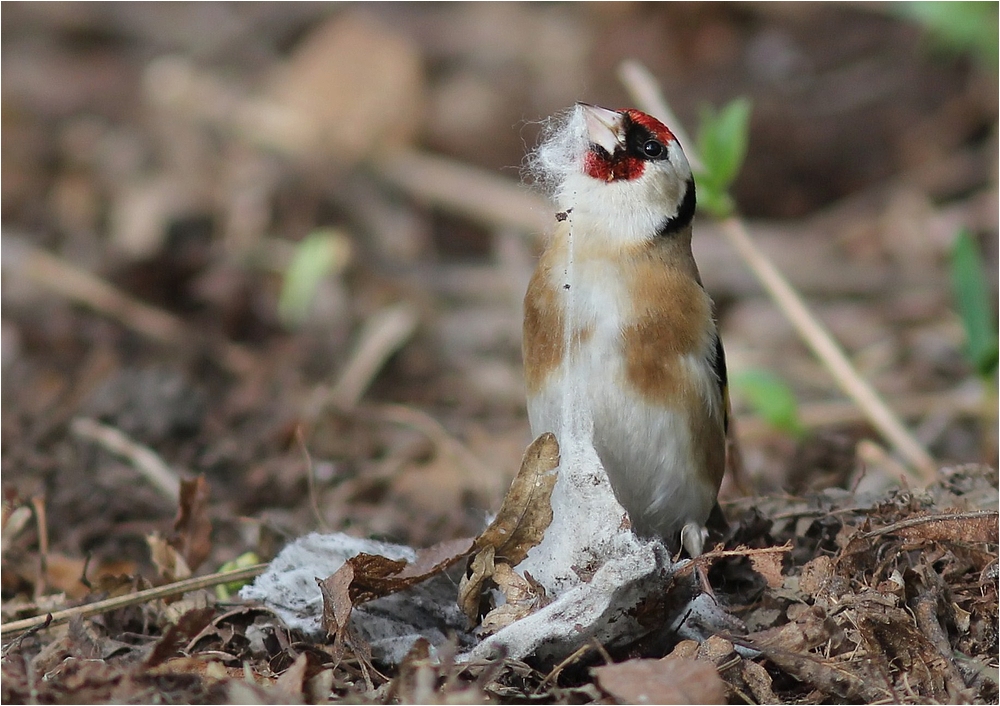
{"x": 390, "y": 625}
{"x": 560, "y": 153}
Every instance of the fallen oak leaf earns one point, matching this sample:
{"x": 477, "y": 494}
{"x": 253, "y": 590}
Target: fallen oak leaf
{"x": 526, "y": 511}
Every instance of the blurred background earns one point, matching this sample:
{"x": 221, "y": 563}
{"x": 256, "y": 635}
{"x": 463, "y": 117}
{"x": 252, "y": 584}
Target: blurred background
{"x": 284, "y": 246}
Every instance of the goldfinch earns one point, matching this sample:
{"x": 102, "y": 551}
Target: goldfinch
{"x": 616, "y": 315}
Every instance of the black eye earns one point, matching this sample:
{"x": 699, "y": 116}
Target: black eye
{"x": 652, "y": 149}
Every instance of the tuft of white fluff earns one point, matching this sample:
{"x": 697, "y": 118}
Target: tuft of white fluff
{"x": 560, "y": 151}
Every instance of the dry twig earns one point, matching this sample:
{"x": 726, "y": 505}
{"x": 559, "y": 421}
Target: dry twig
{"x": 170, "y": 590}
{"x": 382, "y": 335}
{"x": 142, "y": 458}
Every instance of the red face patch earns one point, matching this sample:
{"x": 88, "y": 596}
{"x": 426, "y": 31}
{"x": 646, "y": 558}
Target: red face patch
{"x": 630, "y": 163}
{"x": 598, "y": 165}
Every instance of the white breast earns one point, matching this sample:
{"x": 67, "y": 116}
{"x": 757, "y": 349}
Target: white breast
{"x": 646, "y": 449}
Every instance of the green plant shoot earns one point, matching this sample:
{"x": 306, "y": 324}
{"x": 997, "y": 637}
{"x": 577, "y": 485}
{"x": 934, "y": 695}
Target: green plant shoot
{"x": 319, "y": 254}
{"x": 973, "y": 302}
{"x": 224, "y": 592}
{"x": 958, "y": 27}
{"x": 771, "y": 398}
{"x": 722, "y": 142}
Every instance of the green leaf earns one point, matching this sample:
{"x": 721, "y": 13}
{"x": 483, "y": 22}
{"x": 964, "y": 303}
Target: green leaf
{"x": 770, "y": 397}
{"x": 722, "y": 143}
{"x": 319, "y": 254}
{"x": 224, "y": 592}
{"x": 960, "y": 27}
{"x": 973, "y": 301}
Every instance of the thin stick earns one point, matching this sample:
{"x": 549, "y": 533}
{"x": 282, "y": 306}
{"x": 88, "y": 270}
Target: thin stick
{"x": 974, "y": 516}
{"x": 64, "y": 279}
{"x": 813, "y": 332}
{"x": 829, "y": 352}
{"x": 143, "y": 459}
{"x": 382, "y": 335}
{"x": 557, "y": 670}
{"x": 139, "y": 597}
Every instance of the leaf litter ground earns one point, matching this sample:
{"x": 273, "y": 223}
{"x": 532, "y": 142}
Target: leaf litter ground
{"x": 135, "y": 158}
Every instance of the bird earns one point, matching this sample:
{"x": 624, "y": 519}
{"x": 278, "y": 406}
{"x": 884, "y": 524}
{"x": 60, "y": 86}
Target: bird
{"x": 616, "y": 311}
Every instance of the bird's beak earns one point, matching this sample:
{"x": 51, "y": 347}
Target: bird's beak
{"x": 605, "y": 128}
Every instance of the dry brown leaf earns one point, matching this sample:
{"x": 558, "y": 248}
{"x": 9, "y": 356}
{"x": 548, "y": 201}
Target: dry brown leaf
{"x": 470, "y": 588}
{"x": 63, "y": 574}
{"x": 365, "y": 577}
{"x": 502, "y": 616}
{"x": 514, "y": 587}
{"x": 815, "y": 574}
{"x": 337, "y": 602}
{"x": 169, "y": 562}
{"x": 662, "y": 681}
{"x": 435, "y": 559}
{"x": 526, "y": 511}
{"x": 179, "y": 634}
{"x": 768, "y": 566}
{"x": 521, "y": 599}
{"x": 759, "y": 682}
{"x": 809, "y": 630}
{"x": 192, "y": 536}
{"x": 716, "y": 649}
{"x": 520, "y": 525}
{"x": 210, "y": 671}
{"x": 293, "y": 680}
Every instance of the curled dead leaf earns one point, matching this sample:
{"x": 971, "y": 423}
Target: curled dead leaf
{"x": 473, "y": 583}
{"x": 365, "y": 577}
{"x": 522, "y": 595}
{"x": 526, "y": 511}
{"x": 170, "y": 563}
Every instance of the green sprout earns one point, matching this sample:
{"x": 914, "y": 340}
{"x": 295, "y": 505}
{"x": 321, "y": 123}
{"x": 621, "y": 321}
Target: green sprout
{"x": 319, "y": 254}
{"x": 958, "y": 27}
{"x": 224, "y": 592}
{"x": 973, "y": 302}
{"x": 722, "y": 142}
{"x": 771, "y": 398}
